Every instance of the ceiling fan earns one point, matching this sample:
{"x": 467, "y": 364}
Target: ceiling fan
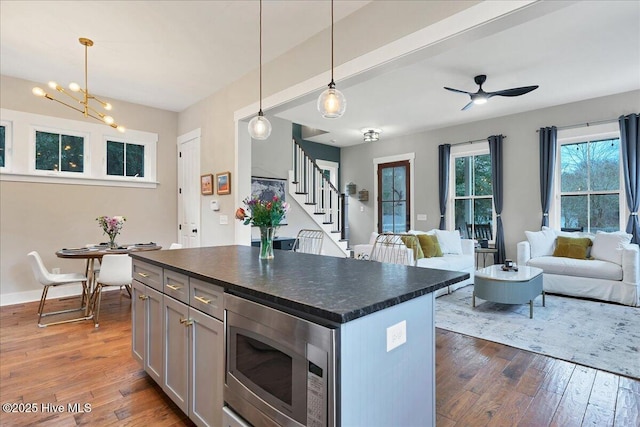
{"x": 481, "y": 97}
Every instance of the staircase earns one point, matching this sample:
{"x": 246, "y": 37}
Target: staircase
{"x": 319, "y": 198}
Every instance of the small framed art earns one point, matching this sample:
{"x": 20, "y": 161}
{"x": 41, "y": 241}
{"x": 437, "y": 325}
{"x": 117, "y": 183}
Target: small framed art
{"x": 206, "y": 184}
{"x": 223, "y": 183}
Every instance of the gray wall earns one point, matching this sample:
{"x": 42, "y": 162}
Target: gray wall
{"x": 522, "y": 209}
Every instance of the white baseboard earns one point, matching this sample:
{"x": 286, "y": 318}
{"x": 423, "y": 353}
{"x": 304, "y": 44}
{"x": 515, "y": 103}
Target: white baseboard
{"x": 34, "y": 295}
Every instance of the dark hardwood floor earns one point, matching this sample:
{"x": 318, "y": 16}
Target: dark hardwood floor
{"x": 478, "y": 383}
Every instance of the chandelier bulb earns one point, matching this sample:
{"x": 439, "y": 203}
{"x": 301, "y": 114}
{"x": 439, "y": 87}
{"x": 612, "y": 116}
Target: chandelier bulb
{"x": 74, "y": 86}
{"x": 121, "y": 128}
{"x": 259, "y": 127}
{"x": 107, "y": 106}
{"x": 38, "y": 91}
{"x": 53, "y": 85}
{"x": 108, "y": 120}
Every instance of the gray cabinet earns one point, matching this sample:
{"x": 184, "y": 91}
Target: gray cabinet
{"x": 146, "y": 332}
{"x": 176, "y": 352}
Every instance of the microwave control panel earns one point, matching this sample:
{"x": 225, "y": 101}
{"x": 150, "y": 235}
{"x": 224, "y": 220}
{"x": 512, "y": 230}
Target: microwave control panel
{"x": 316, "y": 397}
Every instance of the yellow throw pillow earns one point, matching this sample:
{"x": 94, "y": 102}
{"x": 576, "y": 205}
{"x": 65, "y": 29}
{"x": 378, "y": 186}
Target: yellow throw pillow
{"x": 430, "y": 245}
{"x": 412, "y": 243}
{"x": 572, "y": 247}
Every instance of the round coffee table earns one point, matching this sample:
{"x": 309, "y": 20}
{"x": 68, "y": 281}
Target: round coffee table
{"x": 509, "y": 287}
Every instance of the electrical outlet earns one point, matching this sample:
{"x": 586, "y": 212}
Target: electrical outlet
{"x": 396, "y": 335}
{"x": 55, "y": 270}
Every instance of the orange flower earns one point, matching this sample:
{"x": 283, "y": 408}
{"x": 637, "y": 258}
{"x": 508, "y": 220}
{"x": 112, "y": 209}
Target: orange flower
{"x": 240, "y": 214}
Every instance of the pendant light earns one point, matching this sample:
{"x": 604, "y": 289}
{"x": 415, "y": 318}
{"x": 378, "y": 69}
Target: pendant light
{"x": 259, "y": 127}
{"x": 332, "y": 102}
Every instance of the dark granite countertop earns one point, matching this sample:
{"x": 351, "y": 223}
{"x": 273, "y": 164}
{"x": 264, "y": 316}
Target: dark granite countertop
{"x": 335, "y": 289}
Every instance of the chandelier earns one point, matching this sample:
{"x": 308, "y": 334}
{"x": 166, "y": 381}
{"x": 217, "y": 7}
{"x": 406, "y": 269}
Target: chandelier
{"x": 85, "y": 108}
{"x": 260, "y": 127}
{"x": 331, "y": 103}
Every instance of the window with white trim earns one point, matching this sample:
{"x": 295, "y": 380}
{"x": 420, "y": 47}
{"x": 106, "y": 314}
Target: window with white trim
{"x": 589, "y": 182}
{"x": 5, "y": 144}
{"x": 125, "y": 159}
{"x": 471, "y": 190}
{"x": 59, "y": 152}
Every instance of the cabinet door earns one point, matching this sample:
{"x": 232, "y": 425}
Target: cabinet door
{"x": 206, "y": 370}
{"x": 176, "y": 349}
{"x": 138, "y": 326}
{"x": 154, "y": 332}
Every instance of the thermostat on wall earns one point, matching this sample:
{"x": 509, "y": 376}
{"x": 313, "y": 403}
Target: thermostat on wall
{"x": 215, "y": 206}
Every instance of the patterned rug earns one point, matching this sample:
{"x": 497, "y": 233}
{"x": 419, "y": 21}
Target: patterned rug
{"x": 597, "y": 334}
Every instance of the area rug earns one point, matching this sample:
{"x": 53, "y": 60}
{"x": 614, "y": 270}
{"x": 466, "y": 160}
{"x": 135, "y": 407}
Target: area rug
{"x": 596, "y": 334}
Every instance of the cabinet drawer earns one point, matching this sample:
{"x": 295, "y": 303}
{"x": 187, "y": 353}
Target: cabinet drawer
{"x": 176, "y": 285}
{"x": 148, "y": 274}
{"x": 206, "y": 297}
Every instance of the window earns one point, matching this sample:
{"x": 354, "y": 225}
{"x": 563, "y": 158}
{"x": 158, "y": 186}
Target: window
{"x": 59, "y": 152}
{"x": 590, "y": 196}
{"x": 3, "y": 130}
{"x": 124, "y": 159}
{"x": 394, "y": 199}
{"x": 473, "y": 192}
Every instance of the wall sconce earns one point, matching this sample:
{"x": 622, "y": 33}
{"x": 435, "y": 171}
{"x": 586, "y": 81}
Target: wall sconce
{"x": 350, "y": 189}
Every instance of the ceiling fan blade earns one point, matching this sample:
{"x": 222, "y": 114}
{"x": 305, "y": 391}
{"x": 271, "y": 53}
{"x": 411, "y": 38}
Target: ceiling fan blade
{"x": 457, "y": 90}
{"x": 516, "y": 91}
{"x": 466, "y": 107}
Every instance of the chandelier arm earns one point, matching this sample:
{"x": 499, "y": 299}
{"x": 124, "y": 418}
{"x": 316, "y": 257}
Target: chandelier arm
{"x": 62, "y": 90}
{"x": 63, "y": 103}
{"x": 103, "y": 103}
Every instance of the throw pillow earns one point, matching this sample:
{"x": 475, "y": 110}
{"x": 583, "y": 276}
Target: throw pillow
{"x": 542, "y": 242}
{"x": 449, "y": 241}
{"x": 412, "y": 242}
{"x": 430, "y": 246}
{"x": 571, "y": 247}
{"x": 608, "y": 246}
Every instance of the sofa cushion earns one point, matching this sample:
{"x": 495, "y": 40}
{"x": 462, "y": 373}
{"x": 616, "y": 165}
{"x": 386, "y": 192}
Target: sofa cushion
{"x": 449, "y": 241}
{"x": 608, "y": 246}
{"x": 570, "y": 247}
{"x": 593, "y": 268}
{"x": 430, "y": 246}
{"x": 412, "y": 242}
{"x": 542, "y": 242}
{"x": 449, "y": 262}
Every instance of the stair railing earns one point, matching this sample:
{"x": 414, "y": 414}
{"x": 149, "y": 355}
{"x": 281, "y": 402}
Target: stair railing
{"x": 319, "y": 192}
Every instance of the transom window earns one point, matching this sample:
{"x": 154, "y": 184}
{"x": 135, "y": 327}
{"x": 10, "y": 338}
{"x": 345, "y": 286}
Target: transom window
{"x": 394, "y": 200}
{"x": 125, "y": 159}
{"x": 59, "y": 152}
{"x": 473, "y": 193}
{"x": 590, "y": 185}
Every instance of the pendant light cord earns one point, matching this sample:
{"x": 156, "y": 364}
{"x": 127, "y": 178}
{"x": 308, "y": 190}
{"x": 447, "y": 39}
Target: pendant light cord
{"x": 332, "y": 42}
{"x": 260, "y": 26}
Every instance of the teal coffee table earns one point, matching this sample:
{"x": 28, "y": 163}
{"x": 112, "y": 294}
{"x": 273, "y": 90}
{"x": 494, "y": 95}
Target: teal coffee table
{"x": 509, "y": 287}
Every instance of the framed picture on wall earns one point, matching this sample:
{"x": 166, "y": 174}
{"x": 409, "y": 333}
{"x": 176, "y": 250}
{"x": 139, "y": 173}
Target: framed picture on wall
{"x": 223, "y": 183}
{"x": 265, "y": 188}
{"x": 206, "y": 184}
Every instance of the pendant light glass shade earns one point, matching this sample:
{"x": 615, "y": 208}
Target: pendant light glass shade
{"x": 332, "y": 103}
{"x": 259, "y": 127}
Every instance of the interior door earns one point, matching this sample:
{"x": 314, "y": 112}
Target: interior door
{"x": 189, "y": 189}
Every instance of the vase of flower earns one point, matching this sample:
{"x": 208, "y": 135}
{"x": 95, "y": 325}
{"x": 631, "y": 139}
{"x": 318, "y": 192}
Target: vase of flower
{"x": 266, "y": 214}
{"x": 111, "y": 226}
{"x": 266, "y": 242}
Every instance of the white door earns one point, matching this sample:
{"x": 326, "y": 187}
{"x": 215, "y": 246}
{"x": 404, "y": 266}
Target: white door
{"x": 189, "y": 189}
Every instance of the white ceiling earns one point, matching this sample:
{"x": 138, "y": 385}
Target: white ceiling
{"x": 171, "y": 54}
{"x": 580, "y": 51}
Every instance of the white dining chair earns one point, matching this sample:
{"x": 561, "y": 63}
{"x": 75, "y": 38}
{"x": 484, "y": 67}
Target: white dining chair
{"x": 47, "y": 280}
{"x": 308, "y": 242}
{"x": 176, "y": 246}
{"x": 115, "y": 270}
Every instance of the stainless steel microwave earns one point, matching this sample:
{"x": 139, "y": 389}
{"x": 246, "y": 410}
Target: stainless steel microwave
{"x": 280, "y": 369}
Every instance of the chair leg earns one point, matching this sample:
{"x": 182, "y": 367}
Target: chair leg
{"x": 97, "y": 298}
{"x": 128, "y": 288}
{"x": 42, "y": 314}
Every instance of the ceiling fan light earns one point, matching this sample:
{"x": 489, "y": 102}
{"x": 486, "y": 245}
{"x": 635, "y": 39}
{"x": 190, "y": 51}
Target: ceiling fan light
{"x": 479, "y": 100}
{"x": 332, "y": 103}
{"x": 259, "y": 127}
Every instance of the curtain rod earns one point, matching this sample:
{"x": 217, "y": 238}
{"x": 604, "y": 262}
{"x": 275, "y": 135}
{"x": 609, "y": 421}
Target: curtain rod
{"x": 586, "y": 124}
{"x": 474, "y": 141}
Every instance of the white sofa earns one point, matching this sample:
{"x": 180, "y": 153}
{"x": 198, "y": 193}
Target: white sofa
{"x": 464, "y": 261}
{"x": 612, "y": 275}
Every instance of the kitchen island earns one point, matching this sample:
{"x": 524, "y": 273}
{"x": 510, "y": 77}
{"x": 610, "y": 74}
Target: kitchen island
{"x": 382, "y": 315}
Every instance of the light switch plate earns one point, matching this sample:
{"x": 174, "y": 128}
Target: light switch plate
{"x": 422, "y": 217}
{"x": 224, "y": 219}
